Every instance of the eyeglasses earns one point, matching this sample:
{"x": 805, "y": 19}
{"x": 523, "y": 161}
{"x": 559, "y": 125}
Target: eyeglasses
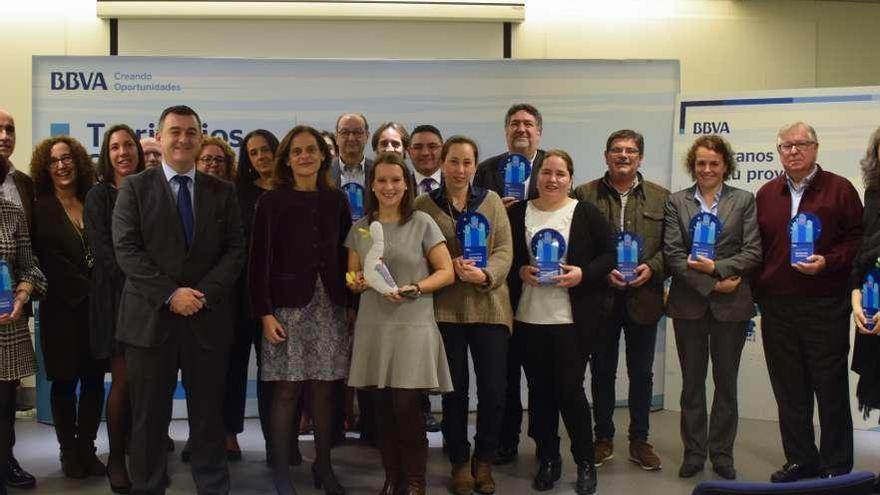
{"x": 799, "y": 145}
{"x": 351, "y": 132}
{"x": 207, "y": 159}
{"x": 65, "y": 159}
{"x": 623, "y": 151}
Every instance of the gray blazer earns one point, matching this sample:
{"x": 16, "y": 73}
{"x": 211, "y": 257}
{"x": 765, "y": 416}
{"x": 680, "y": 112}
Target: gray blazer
{"x": 151, "y": 251}
{"x": 737, "y": 252}
{"x": 336, "y": 170}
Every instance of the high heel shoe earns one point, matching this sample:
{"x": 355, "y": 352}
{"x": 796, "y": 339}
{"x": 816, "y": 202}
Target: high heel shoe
{"x": 327, "y": 481}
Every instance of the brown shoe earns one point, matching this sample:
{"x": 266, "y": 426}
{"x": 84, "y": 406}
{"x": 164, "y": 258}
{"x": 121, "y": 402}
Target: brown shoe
{"x": 603, "y": 450}
{"x": 642, "y": 453}
{"x": 483, "y": 481}
{"x": 462, "y": 480}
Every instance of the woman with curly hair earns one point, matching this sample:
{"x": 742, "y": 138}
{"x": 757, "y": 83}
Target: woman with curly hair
{"x": 866, "y": 349}
{"x": 121, "y": 155}
{"x": 710, "y": 301}
{"x": 216, "y": 158}
{"x": 63, "y": 174}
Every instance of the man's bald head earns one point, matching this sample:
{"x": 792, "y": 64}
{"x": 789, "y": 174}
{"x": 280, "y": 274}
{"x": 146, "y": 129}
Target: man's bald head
{"x": 7, "y": 134}
{"x": 152, "y": 152}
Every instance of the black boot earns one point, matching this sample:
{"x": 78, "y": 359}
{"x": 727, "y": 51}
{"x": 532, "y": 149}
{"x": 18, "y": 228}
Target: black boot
{"x": 586, "y": 482}
{"x": 549, "y": 471}
{"x": 16, "y": 477}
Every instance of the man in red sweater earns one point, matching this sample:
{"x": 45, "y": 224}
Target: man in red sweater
{"x": 805, "y": 307}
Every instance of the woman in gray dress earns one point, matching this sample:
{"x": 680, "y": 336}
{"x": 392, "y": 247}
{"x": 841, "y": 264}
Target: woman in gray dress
{"x": 16, "y": 351}
{"x": 296, "y": 279}
{"x": 398, "y": 350}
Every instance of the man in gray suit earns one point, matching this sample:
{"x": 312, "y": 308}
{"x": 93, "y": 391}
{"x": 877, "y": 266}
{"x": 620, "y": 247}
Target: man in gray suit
{"x": 177, "y": 235}
{"x": 710, "y": 301}
{"x": 352, "y": 132}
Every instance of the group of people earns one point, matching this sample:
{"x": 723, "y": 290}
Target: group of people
{"x": 167, "y": 256}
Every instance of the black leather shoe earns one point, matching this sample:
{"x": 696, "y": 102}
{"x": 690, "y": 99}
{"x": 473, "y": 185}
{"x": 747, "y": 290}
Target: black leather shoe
{"x": 505, "y": 455}
{"x": 16, "y": 477}
{"x": 431, "y": 423}
{"x": 726, "y": 471}
{"x": 793, "y": 472}
{"x": 549, "y": 471}
{"x": 688, "y": 470}
{"x": 586, "y": 482}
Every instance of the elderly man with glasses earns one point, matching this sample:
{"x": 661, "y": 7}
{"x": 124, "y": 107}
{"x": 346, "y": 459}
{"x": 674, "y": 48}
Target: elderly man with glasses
{"x": 804, "y": 305}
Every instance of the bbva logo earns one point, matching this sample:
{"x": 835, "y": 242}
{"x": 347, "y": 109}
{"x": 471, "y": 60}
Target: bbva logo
{"x": 78, "y": 80}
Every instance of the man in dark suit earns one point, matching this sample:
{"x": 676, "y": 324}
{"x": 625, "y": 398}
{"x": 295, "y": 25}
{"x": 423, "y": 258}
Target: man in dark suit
{"x": 177, "y": 235}
{"x": 352, "y": 132}
{"x": 18, "y": 188}
{"x": 630, "y": 204}
{"x": 523, "y": 126}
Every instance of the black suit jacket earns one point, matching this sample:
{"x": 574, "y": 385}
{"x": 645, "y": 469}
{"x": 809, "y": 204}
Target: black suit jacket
{"x": 150, "y": 248}
{"x": 488, "y": 174}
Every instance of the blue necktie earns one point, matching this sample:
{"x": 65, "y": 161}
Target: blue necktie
{"x": 185, "y": 207}
{"x": 428, "y": 184}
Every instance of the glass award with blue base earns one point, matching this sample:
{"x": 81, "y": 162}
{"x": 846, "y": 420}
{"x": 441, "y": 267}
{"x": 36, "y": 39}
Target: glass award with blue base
{"x": 705, "y": 230}
{"x": 548, "y": 248}
{"x": 355, "y": 194}
{"x": 871, "y": 297}
{"x": 515, "y": 169}
{"x": 629, "y": 248}
{"x": 472, "y": 230}
{"x": 6, "y": 294}
{"x": 804, "y": 230}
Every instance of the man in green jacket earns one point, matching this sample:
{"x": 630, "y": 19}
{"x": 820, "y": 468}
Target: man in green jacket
{"x": 630, "y": 204}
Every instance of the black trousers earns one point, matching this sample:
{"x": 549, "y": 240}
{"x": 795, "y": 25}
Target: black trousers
{"x": 511, "y": 421}
{"x": 640, "y": 343}
{"x": 806, "y": 344}
{"x": 696, "y": 341}
{"x": 152, "y": 377}
{"x": 236, "y": 373}
{"x": 7, "y": 398}
{"x": 556, "y": 362}
{"x": 488, "y": 346}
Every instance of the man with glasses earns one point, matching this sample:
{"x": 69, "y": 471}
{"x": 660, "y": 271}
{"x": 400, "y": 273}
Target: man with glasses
{"x": 424, "y": 153}
{"x": 630, "y": 204}
{"x": 351, "y": 165}
{"x": 805, "y": 306}
{"x": 152, "y": 152}
{"x": 19, "y": 189}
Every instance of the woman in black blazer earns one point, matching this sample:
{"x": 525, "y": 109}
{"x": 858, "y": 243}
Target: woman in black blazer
{"x": 121, "y": 155}
{"x": 559, "y": 320}
{"x": 63, "y": 173}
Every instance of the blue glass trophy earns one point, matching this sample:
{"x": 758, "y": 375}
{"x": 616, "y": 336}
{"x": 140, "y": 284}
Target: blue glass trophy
{"x": 705, "y": 229}
{"x": 472, "y": 230}
{"x": 548, "y": 247}
{"x": 629, "y": 248}
{"x": 871, "y": 297}
{"x": 804, "y": 230}
{"x": 6, "y": 294}
{"x": 515, "y": 169}
{"x": 355, "y": 194}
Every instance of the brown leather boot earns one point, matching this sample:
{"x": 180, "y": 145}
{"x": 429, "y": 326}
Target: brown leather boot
{"x": 483, "y": 481}
{"x": 462, "y": 479}
{"x": 388, "y": 444}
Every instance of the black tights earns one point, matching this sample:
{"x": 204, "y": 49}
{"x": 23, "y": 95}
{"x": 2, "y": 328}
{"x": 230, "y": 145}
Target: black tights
{"x": 76, "y": 422}
{"x": 7, "y": 408}
{"x": 285, "y": 397}
{"x": 118, "y": 411}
